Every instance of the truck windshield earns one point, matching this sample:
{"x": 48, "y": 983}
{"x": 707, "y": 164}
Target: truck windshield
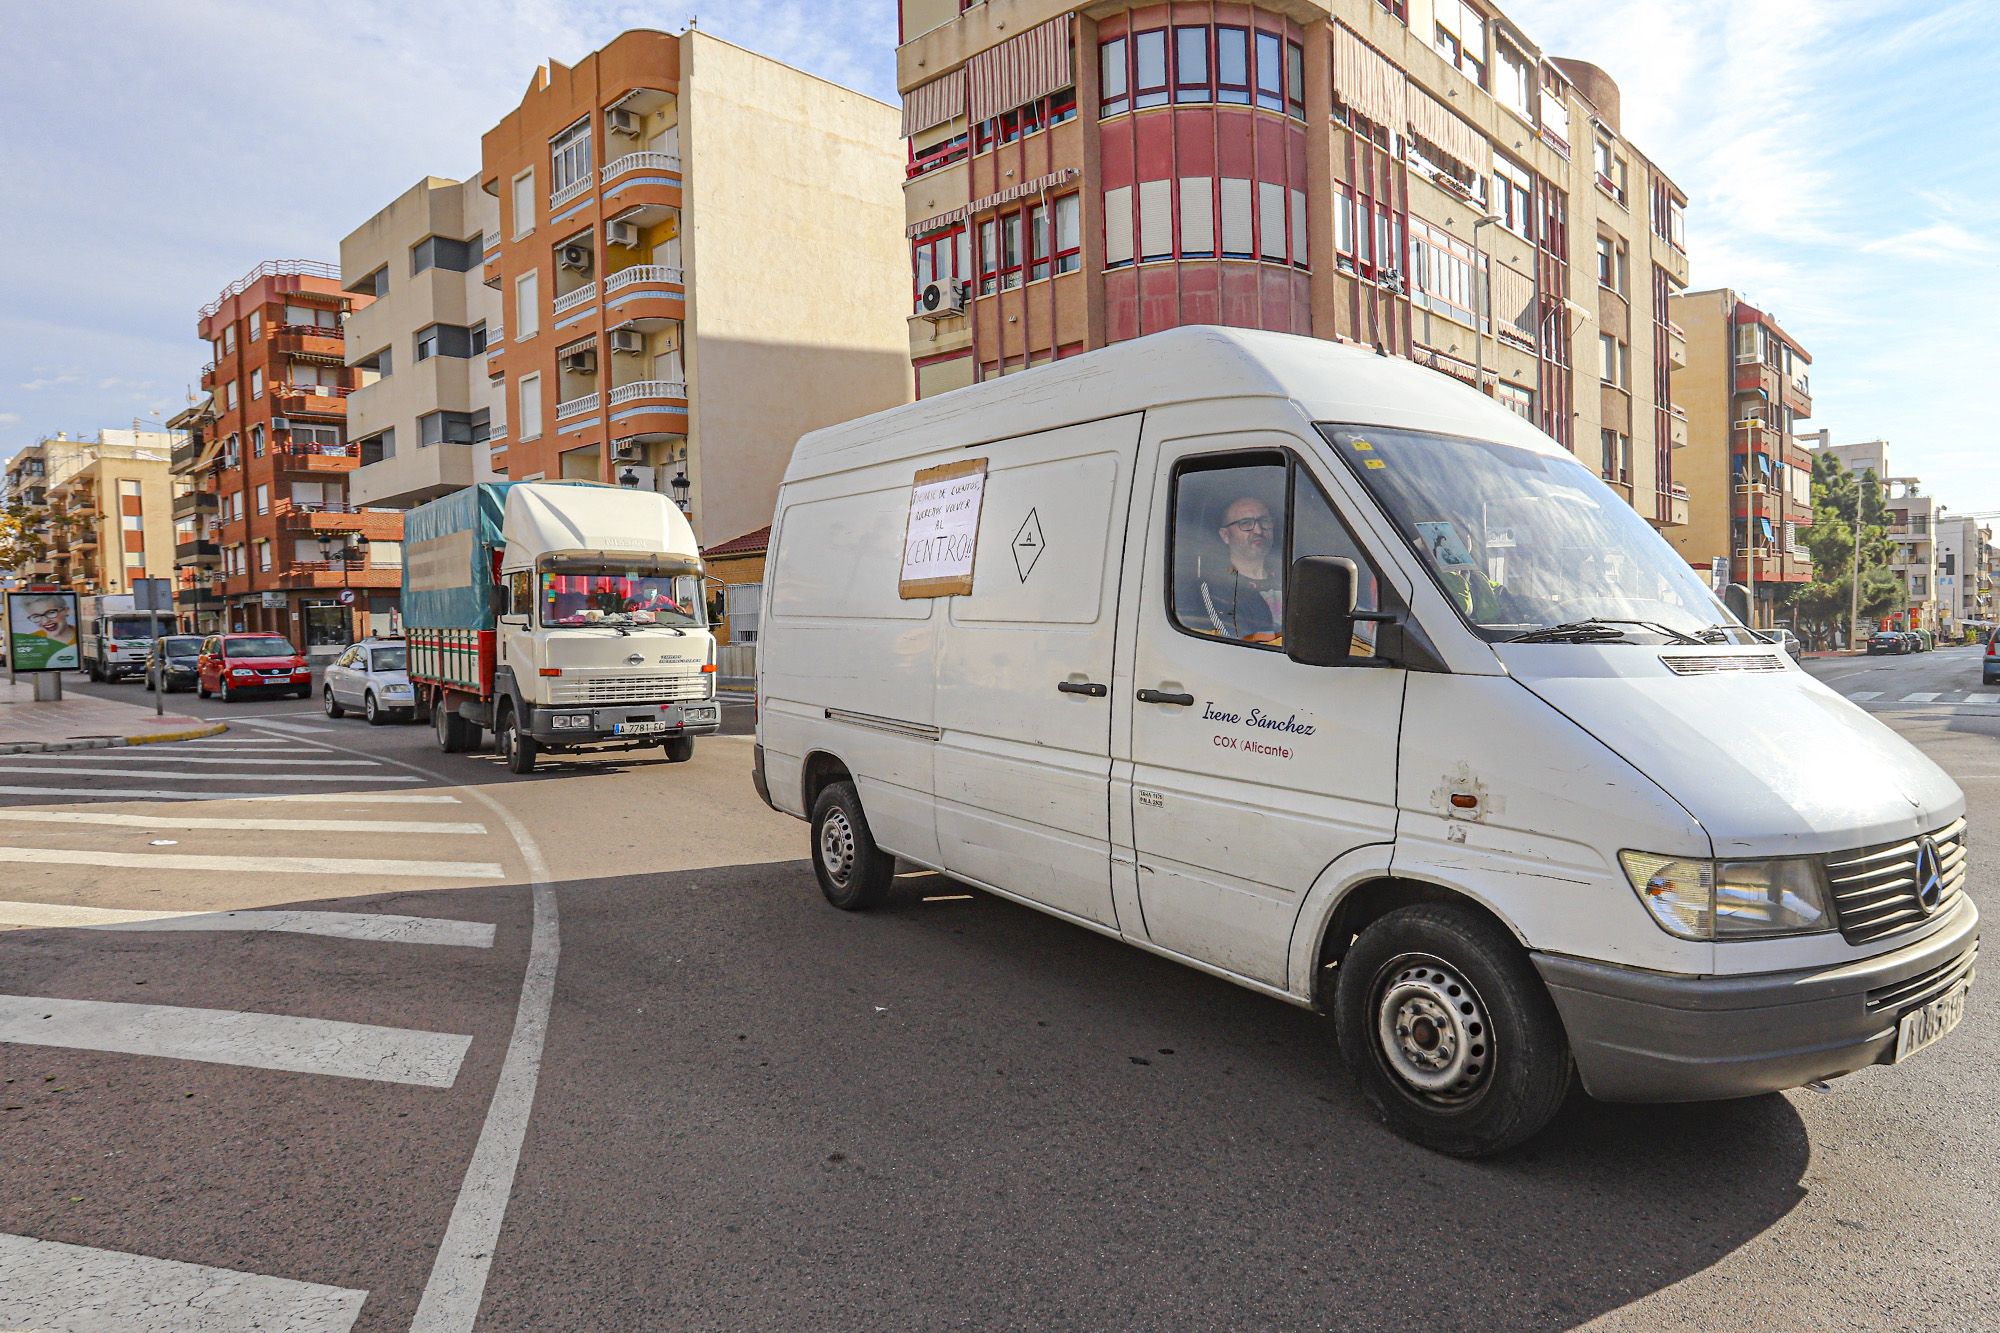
{"x": 136, "y": 627}
{"x": 637, "y": 593}
{"x": 1531, "y": 545}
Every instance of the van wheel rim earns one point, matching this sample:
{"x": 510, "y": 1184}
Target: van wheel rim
{"x": 836, "y": 847}
{"x": 1432, "y": 1030}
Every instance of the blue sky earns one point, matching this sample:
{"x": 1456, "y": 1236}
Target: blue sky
{"x": 1842, "y": 159}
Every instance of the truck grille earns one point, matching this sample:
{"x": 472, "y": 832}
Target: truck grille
{"x": 630, "y": 690}
{"x": 1927, "y": 985}
{"x": 1875, "y": 889}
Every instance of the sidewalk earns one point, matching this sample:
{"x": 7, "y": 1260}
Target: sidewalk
{"x": 82, "y": 723}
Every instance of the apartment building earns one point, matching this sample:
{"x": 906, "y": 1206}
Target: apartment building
{"x": 1744, "y": 391}
{"x": 196, "y": 468}
{"x": 27, "y": 487}
{"x": 698, "y": 262}
{"x": 1913, "y": 557}
{"x": 423, "y": 410}
{"x": 1410, "y": 174}
{"x": 1965, "y": 559}
{"x": 116, "y": 495}
{"x": 297, "y": 556}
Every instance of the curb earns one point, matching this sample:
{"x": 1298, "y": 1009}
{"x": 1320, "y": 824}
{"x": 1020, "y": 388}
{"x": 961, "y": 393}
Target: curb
{"x": 115, "y": 742}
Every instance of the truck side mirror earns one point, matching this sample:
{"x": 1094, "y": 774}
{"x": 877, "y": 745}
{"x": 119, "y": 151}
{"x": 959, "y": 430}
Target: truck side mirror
{"x": 1319, "y": 610}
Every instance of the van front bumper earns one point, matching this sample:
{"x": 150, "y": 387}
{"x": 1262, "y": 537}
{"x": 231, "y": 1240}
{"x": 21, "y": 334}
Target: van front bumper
{"x": 1652, "y": 1037}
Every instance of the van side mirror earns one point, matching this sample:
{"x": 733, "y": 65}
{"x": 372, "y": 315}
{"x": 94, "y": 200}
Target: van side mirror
{"x": 1319, "y": 610}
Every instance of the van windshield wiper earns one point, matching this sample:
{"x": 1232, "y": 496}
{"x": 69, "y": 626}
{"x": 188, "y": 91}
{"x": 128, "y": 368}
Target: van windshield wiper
{"x": 1597, "y": 629}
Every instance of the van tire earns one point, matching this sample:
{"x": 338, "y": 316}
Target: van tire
{"x": 853, "y": 872}
{"x": 1508, "y": 1070}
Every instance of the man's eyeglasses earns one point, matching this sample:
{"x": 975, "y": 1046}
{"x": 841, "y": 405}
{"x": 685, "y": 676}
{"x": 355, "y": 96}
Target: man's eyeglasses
{"x": 1246, "y": 526}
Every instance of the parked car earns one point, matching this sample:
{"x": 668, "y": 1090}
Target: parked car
{"x": 174, "y": 660}
{"x": 1887, "y": 641}
{"x": 1989, "y": 665}
{"x": 1785, "y": 639}
{"x": 373, "y": 677}
{"x": 234, "y": 665}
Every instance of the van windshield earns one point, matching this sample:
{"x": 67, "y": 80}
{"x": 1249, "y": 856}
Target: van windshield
{"x": 626, "y": 594}
{"x": 1531, "y": 545}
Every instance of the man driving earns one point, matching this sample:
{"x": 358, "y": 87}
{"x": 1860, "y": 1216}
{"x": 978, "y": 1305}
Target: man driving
{"x": 1246, "y": 601}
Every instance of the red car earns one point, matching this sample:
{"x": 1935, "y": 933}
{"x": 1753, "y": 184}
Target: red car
{"x": 234, "y": 665}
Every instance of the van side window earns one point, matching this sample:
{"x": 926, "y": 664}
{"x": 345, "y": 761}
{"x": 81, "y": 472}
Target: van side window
{"x": 1239, "y": 521}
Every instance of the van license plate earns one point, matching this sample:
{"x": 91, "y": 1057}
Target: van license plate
{"x": 638, "y": 728}
{"x": 1920, "y": 1027}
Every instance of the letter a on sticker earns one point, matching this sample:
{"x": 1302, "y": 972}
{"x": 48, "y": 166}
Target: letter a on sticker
{"x": 1028, "y": 545}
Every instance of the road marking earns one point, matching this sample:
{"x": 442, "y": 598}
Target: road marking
{"x": 169, "y": 775}
{"x": 1920, "y": 697}
{"x": 256, "y": 761}
{"x": 72, "y": 1288}
{"x": 299, "y": 727}
{"x": 179, "y": 821}
{"x": 1863, "y": 696}
{"x": 226, "y": 742}
{"x": 1982, "y": 698}
{"x": 152, "y": 794}
{"x": 273, "y": 865}
{"x": 233, "y": 1037}
{"x": 380, "y": 927}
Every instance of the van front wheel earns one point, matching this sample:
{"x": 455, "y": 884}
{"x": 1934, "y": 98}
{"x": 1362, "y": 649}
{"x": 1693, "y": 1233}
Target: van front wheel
{"x": 1446, "y": 1026}
{"x": 853, "y": 872}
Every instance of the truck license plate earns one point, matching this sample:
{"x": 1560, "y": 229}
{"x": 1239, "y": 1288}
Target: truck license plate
{"x": 638, "y": 728}
{"x": 1921, "y": 1027}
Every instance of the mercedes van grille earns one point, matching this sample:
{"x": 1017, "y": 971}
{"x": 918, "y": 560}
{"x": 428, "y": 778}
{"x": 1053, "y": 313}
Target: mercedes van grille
{"x": 1875, "y": 890}
{"x": 629, "y": 690}
{"x": 1707, "y": 665}
{"x": 1927, "y": 985}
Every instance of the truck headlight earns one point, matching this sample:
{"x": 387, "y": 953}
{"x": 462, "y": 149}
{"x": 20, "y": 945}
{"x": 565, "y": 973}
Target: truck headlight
{"x": 1721, "y": 900}
{"x": 572, "y": 721}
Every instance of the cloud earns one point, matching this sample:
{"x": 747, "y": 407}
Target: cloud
{"x": 1940, "y": 240}
{"x": 10, "y": 418}
{"x": 52, "y": 381}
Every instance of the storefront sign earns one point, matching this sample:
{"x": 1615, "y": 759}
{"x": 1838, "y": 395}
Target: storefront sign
{"x": 41, "y": 631}
{"x": 943, "y": 531}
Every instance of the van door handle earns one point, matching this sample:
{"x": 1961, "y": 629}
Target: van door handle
{"x": 1162, "y": 697}
{"x": 1089, "y": 688}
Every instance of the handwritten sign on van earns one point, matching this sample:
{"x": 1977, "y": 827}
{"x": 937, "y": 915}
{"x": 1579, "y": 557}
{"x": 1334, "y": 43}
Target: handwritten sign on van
{"x": 943, "y": 531}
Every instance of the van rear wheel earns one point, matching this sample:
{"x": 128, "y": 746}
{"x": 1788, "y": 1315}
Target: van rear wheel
{"x": 853, "y": 872}
{"x": 1449, "y": 1031}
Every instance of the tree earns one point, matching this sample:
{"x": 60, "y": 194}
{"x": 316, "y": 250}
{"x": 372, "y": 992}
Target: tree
{"x": 1840, "y": 500}
{"x": 21, "y": 540}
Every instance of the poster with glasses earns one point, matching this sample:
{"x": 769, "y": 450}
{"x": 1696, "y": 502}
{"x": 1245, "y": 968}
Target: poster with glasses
{"x": 41, "y": 631}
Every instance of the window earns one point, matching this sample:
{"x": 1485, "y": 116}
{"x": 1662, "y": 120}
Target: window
{"x": 1198, "y": 217}
{"x": 1295, "y": 80}
{"x": 1039, "y": 251}
{"x": 445, "y": 253}
{"x": 1271, "y": 221}
{"x": 1069, "y": 233}
{"x": 1036, "y": 116}
{"x": 263, "y": 498}
{"x": 1239, "y": 521}
{"x": 945, "y": 151}
{"x": 1270, "y": 71}
{"x": 1614, "y": 361}
{"x": 1610, "y": 169}
{"x": 376, "y": 448}
{"x": 1156, "y": 221}
{"x": 1516, "y": 399}
{"x": 476, "y": 338}
{"x": 1232, "y": 66}
{"x": 1442, "y": 269}
{"x": 1617, "y": 460}
{"x": 1010, "y": 251}
{"x": 264, "y": 556}
{"x": 427, "y": 343}
{"x": 530, "y": 415}
{"x": 229, "y": 396}
{"x": 938, "y": 257}
{"x": 444, "y": 340}
{"x": 989, "y": 256}
{"x": 1236, "y": 237}
{"x": 1118, "y": 226}
{"x": 377, "y": 282}
{"x": 1299, "y": 256}
{"x": 524, "y": 203}
{"x": 1513, "y": 78}
{"x": 444, "y": 428}
{"x": 257, "y": 383}
{"x": 1513, "y": 195}
{"x": 229, "y": 337}
{"x": 527, "y": 305}
{"x": 256, "y": 441}
{"x": 569, "y": 157}
{"x": 1112, "y": 78}
{"x": 255, "y": 324}
{"x": 1461, "y": 38}
{"x": 1191, "y": 80}
{"x": 1149, "y": 62}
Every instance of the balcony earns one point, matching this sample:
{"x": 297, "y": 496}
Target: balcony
{"x": 317, "y": 457}
{"x": 576, "y": 189}
{"x": 310, "y": 400}
{"x": 569, "y": 301}
{"x": 1677, "y": 506}
{"x": 1677, "y": 426}
{"x": 310, "y": 342}
{"x": 208, "y": 378}
{"x": 575, "y": 407}
{"x": 643, "y": 177}
{"x": 337, "y": 516}
{"x": 649, "y": 407}
{"x": 1677, "y": 346}
{"x": 194, "y": 503}
{"x": 655, "y": 291}
{"x": 330, "y": 574}
{"x": 197, "y": 552}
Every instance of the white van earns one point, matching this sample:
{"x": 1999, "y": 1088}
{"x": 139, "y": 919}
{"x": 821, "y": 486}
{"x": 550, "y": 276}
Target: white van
{"x": 1322, "y": 673}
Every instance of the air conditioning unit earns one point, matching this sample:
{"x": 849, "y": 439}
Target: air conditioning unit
{"x": 627, "y": 341}
{"x": 576, "y": 256}
{"x": 625, "y": 451}
{"x": 580, "y": 363}
{"x": 621, "y": 233}
{"x": 942, "y": 298}
{"x": 620, "y": 121}
{"x": 281, "y": 423}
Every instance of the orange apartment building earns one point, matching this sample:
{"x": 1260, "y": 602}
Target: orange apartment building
{"x": 1409, "y": 174}
{"x": 698, "y": 261}
{"x": 1746, "y": 390}
{"x": 296, "y": 557}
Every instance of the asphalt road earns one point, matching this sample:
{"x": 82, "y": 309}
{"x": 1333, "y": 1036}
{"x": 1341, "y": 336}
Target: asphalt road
{"x": 751, "y": 1110}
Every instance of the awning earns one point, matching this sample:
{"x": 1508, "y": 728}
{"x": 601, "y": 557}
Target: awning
{"x": 1514, "y": 300}
{"x": 1019, "y": 70}
{"x": 933, "y": 103}
{"x": 1367, "y": 81}
{"x": 1431, "y": 121}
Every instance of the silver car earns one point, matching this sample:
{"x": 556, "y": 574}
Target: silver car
{"x": 371, "y": 676}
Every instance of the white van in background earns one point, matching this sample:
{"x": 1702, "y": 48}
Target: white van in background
{"x": 1320, "y": 672}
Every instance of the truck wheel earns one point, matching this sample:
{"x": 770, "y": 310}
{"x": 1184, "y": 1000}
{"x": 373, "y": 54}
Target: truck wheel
{"x": 333, "y": 708}
{"x": 680, "y": 749}
{"x": 518, "y": 749}
{"x": 1449, "y": 1032}
{"x": 853, "y": 872}
{"x": 450, "y": 726}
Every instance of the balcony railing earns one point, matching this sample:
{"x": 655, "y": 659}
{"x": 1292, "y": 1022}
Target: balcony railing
{"x": 641, "y": 389}
{"x": 576, "y": 407}
{"x": 581, "y": 185}
{"x": 571, "y": 300}
{"x": 625, "y": 277}
{"x": 271, "y": 268}
{"x": 642, "y": 161}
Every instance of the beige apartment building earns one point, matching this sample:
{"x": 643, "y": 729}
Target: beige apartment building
{"x": 1416, "y": 175}
{"x": 1745, "y": 390}
{"x": 1966, "y": 556}
{"x": 105, "y": 507}
{"x": 697, "y": 262}
{"x": 425, "y": 406}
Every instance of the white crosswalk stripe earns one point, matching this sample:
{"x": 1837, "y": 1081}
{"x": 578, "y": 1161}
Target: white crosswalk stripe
{"x": 383, "y": 926}
{"x": 323, "y": 798}
{"x": 1983, "y": 698}
{"x": 1863, "y": 696}
{"x": 175, "y": 775}
{"x": 77, "y": 1289}
{"x": 258, "y": 760}
{"x": 1921, "y": 697}
{"x": 175, "y": 820}
{"x": 234, "y": 1037}
{"x": 265, "y": 865}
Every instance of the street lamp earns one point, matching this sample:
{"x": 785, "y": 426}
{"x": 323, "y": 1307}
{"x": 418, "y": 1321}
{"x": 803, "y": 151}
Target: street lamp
{"x": 680, "y": 487}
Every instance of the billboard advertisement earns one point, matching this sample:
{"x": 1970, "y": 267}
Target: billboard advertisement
{"x": 41, "y": 631}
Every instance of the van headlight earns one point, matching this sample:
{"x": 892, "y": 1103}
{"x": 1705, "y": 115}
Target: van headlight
{"x": 1723, "y": 900}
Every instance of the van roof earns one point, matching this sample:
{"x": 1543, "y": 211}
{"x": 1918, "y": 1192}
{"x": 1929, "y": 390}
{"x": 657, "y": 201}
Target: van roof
{"x": 1329, "y": 381}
